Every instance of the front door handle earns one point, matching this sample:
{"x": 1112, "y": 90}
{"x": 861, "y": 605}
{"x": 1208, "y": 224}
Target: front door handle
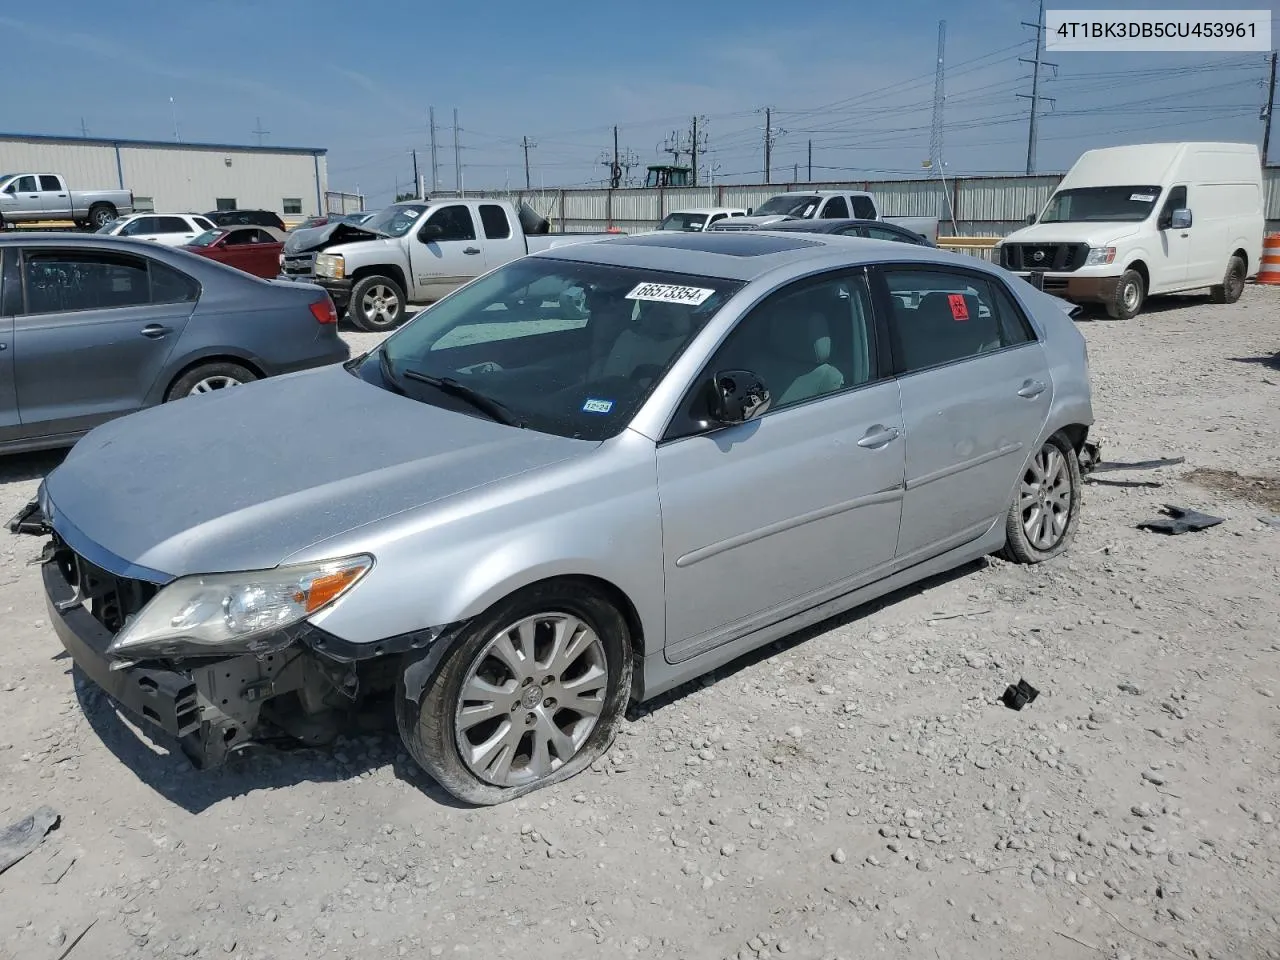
{"x": 1031, "y": 389}
{"x": 471, "y": 250}
{"x": 878, "y": 436}
{"x": 155, "y": 331}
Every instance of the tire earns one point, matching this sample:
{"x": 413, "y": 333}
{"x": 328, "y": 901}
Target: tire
{"x": 1232, "y": 285}
{"x": 429, "y": 725}
{"x": 100, "y": 214}
{"x": 1064, "y": 464}
{"x": 377, "y": 304}
{"x": 1128, "y": 298}
{"x": 208, "y": 377}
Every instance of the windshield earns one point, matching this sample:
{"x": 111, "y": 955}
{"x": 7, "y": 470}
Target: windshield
{"x": 111, "y": 226}
{"x": 684, "y": 221}
{"x": 1096, "y": 204}
{"x": 206, "y": 239}
{"x": 395, "y": 221}
{"x": 567, "y": 348}
{"x": 787, "y": 205}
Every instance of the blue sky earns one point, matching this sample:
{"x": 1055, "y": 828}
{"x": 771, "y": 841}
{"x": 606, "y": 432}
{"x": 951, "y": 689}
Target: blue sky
{"x": 856, "y": 78}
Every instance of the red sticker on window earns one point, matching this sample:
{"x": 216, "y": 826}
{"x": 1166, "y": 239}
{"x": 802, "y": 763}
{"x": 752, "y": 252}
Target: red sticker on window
{"x": 959, "y": 310}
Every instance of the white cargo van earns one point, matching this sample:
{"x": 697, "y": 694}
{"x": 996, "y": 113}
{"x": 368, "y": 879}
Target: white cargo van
{"x": 1130, "y": 222}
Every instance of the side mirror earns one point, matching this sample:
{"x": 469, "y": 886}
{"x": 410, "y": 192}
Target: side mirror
{"x": 1180, "y": 219}
{"x": 430, "y": 232}
{"x": 738, "y": 396}
{"x": 1031, "y": 218}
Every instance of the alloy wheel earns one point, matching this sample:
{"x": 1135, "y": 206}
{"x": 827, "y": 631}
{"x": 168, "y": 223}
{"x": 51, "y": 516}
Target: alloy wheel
{"x": 531, "y": 699}
{"x": 380, "y": 305}
{"x": 209, "y": 384}
{"x": 1045, "y": 498}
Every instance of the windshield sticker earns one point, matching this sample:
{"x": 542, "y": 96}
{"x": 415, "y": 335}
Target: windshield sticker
{"x": 597, "y": 406}
{"x": 670, "y": 293}
{"x": 1143, "y": 197}
{"x": 959, "y": 310}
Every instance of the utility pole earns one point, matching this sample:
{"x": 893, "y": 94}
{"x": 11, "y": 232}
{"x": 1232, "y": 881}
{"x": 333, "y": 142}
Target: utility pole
{"x": 259, "y": 132}
{"x": 457, "y": 154}
{"x": 693, "y": 151}
{"x": 527, "y": 144}
{"x": 84, "y": 130}
{"x": 810, "y": 161}
{"x": 615, "y": 171}
{"x": 768, "y": 142}
{"x": 1266, "y": 112}
{"x": 435, "y": 169}
{"x": 417, "y": 183}
{"x": 1034, "y": 96}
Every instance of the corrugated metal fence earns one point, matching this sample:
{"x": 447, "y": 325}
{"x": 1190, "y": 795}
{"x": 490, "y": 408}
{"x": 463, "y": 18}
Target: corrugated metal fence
{"x": 966, "y": 206}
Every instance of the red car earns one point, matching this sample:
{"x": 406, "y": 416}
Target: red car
{"x": 254, "y": 250}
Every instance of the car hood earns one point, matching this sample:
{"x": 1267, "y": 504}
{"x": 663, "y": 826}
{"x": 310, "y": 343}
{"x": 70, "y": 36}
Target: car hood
{"x": 242, "y": 479}
{"x": 324, "y": 237}
{"x": 1095, "y": 234}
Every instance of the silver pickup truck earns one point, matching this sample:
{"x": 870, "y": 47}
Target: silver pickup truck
{"x": 32, "y": 197}
{"x": 414, "y": 252}
{"x": 826, "y": 205}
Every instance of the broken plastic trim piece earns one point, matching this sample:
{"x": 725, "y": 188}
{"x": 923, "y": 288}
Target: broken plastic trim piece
{"x": 1016, "y": 696}
{"x": 1141, "y": 464}
{"x": 30, "y": 520}
{"x": 1180, "y": 520}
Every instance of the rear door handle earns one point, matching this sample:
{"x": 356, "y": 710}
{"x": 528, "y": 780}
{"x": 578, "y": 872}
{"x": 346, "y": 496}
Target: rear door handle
{"x": 1031, "y": 389}
{"x": 471, "y": 250}
{"x": 155, "y": 331}
{"x": 878, "y": 436}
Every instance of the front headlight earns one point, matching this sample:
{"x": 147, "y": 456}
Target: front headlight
{"x": 331, "y": 265}
{"x": 1100, "y": 256}
{"x": 227, "y": 613}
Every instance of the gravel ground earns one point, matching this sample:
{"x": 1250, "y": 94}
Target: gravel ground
{"x": 856, "y": 790}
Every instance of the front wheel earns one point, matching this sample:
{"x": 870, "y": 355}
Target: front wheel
{"x": 1232, "y": 285}
{"x": 377, "y": 304}
{"x": 1127, "y": 300}
{"x": 533, "y": 693}
{"x": 1042, "y": 520}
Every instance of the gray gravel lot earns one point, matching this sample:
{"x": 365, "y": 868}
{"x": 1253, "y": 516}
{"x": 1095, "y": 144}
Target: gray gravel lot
{"x": 853, "y": 791}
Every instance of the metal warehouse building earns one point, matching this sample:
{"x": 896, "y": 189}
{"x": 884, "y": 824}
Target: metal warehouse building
{"x": 179, "y": 177}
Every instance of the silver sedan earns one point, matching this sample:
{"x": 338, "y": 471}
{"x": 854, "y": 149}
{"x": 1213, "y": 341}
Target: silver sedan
{"x": 583, "y": 479}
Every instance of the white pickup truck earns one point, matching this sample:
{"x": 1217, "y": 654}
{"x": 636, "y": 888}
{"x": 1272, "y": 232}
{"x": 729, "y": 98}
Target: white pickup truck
{"x": 33, "y": 197}
{"x": 414, "y": 252}
{"x": 826, "y": 205}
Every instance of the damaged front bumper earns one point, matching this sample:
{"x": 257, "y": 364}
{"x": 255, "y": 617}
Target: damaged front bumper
{"x": 307, "y": 690}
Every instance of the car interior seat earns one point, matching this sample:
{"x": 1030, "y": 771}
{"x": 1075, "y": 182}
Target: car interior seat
{"x": 795, "y": 363}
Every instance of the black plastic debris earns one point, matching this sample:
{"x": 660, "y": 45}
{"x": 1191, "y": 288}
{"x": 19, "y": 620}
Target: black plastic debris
{"x": 19, "y": 839}
{"x": 29, "y": 520}
{"x": 1180, "y": 520}
{"x": 1139, "y": 464}
{"x": 1016, "y": 696}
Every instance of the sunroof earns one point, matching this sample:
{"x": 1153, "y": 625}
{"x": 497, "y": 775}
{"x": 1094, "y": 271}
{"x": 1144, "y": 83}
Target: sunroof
{"x": 731, "y": 244}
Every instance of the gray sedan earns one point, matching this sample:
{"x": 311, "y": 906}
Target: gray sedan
{"x": 585, "y": 478}
{"x": 95, "y": 327}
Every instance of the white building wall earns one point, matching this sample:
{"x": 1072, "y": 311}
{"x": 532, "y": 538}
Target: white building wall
{"x": 178, "y": 177}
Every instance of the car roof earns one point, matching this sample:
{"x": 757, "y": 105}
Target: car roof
{"x": 827, "y": 223}
{"x": 705, "y": 210}
{"x": 742, "y": 255}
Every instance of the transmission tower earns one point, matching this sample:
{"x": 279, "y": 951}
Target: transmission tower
{"x": 939, "y": 96}
{"x": 1034, "y": 96}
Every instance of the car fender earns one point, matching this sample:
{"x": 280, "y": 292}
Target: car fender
{"x": 180, "y": 360}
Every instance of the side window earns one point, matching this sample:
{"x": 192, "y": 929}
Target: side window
{"x": 456, "y": 223}
{"x": 940, "y": 317}
{"x": 10, "y": 283}
{"x": 1177, "y": 198}
{"x": 715, "y": 218}
{"x": 50, "y": 184}
{"x": 261, "y": 236}
{"x": 203, "y": 223}
{"x": 1014, "y": 326}
{"x": 64, "y": 280}
{"x": 811, "y": 339}
{"x": 884, "y": 233}
{"x": 26, "y": 185}
{"x": 494, "y": 219}
{"x": 852, "y": 231}
{"x": 863, "y": 208}
{"x": 836, "y": 209}
{"x": 238, "y": 238}
{"x": 172, "y": 286}
{"x": 172, "y": 225}
{"x": 142, "y": 226}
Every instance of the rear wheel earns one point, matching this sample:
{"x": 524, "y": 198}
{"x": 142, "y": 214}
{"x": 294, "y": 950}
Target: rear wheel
{"x": 1232, "y": 285}
{"x": 209, "y": 377}
{"x": 533, "y": 692}
{"x": 377, "y": 304}
{"x": 1127, "y": 300}
{"x": 1046, "y": 507}
{"x": 100, "y": 214}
